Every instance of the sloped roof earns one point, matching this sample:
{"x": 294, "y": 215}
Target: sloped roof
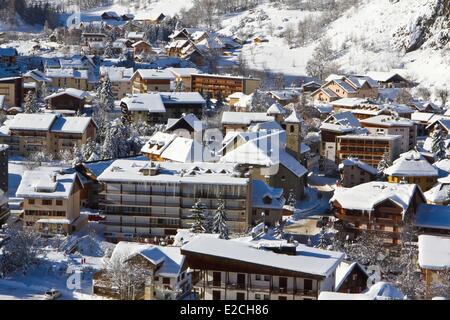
{"x": 360, "y": 164}
{"x": 411, "y": 164}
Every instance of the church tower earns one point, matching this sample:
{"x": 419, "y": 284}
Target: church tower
{"x": 293, "y": 135}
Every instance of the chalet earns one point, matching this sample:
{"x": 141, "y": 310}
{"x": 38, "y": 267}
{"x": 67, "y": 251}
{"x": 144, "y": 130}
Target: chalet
{"x": 37, "y": 77}
{"x": 432, "y": 219}
{"x": 142, "y": 48}
{"x": 434, "y": 259}
{"x": 378, "y": 207}
{"x": 96, "y": 48}
{"x": 120, "y": 79}
{"x": 439, "y": 194}
{"x": 346, "y": 87}
{"x": 388, "y": 79}
{"x": 354, "y": 172}
{"x": 442, "y": 124}
{"x": 51, "y": 202}
{"x": 284, "y": 97}
{"x": 188, "y": 123}
{"x": 149, "y": 18}
{"x": 160, "y": 106}
{"x": 110, "y": 15}
{"x": 92, "y": 37}
{"x": 136, "y": 36}
{"x": 71, "y": 78}
{"x": 268, "y": 201}
{"x": 311, "y": 86}
{"x": 240, "y": 121}
{"x": 259, "y": 270}
{"x": 12, "y": 90}
{"x": 212, "y": 84}
{"x": 27, "y": 133}
{"x": 147, "y": 80}
{"x": 367, "y": 148}
{"x": 412, "y": 167}
{"x": 235, "y": 98}
{"x": 259, "y": 39}
{"x": 68, "y": 99}
{"x": 163, "y": 267}
{"x": 424, "y": 106}
{"x": 385, "y": 124}
{"x": 351, "y": 277}
{"x": 8, "y": 57}
{"x": 127, "y": 17}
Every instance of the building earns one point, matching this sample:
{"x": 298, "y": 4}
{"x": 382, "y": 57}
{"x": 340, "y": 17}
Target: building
{"x": 378, "y": 207}
{"x": 267, "y": 203}
{"x": 434, "y": 259}
{"x": 351, "y": 277}
{"x": 412, "y": 167}
{"x": 272, "y": 270}
{"x": 51, "y": 202}
{"x": 28, "y": 133}
{"x": 432, "y": 219}
{"x": 353, "y": 172}
{"x": 183, "y": 77}
{"x": 439, "y": 194}
{"x": 222, "y": 85}
{"x": 4, "y": 207}
{"x": 120, "y": 79}
{"x": 12, "y": 90}
{"x": 149, "y": 18}
{"x": 379, "y": 291}
{"x": 87, "y": 38}
{"x": 71, "y": 78}
{"x": 166, "y": 277}
{"x": 388, "y": 79}
{"x": 36, "y": 77}
{"x": 240, "y": 121}
{"x": 159, "y": 107}
{"x": 68, "y": 99}
{"x": 142, "y": 48}
{"x": 391, "y": 125}
{"x": 147, "y": 80}
{"x": 8, "y": 57}
{"x": 4, "y": 167}
{"x": 338, "y": 87}
{"x": 368, "y": 148}
{"x": 144, "y": 199}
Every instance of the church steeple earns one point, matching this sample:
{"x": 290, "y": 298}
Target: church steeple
{"x": 293, "y": 134}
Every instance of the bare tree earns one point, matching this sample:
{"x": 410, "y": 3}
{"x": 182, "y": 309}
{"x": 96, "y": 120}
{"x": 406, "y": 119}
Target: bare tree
{"x": 322, "y": 62}
{"x": 443, "y": 96}
{"x": 424, "y": 93}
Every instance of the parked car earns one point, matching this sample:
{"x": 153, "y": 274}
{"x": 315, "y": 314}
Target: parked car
{"x": 52, "y": 294}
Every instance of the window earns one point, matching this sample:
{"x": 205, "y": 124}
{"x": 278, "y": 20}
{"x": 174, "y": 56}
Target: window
{"x": 257, "y": 296}
{"x": 266, "y": 278}
{"x": 166, "y": 280}
{"x": 266, "y": 297}
{"x": 30, "y": 201}
{"x": 59, "y": 202}
{"x": 307, "y": 284}
{"x": 240, "y": 296}
{"x": 47, "y": 202}
{"x": 258, "y": 277}
{"x": 291, "y": 129}
{"x": 216, "y": 295}
{"x": 156, "y": 278}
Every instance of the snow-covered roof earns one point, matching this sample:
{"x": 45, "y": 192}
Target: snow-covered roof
{"x": 244, "y": 118}
{"x": 366, "y": 196}
{"x": 432, "y": 216}
{"x": 37, "y": 75}
{"x": 117, "y": 74}
{"x": 261, "y": 190}
{"x": 126, "y": 170}
{"x": 388, "y": 121}
{"x": 38, "y": 184}
{"x": 294, "y": 117}
{"x": 183, "y": 150}
{"x": 307, "y": 260}
{"x": 183, "y": 72}
{"x": 161, "y": 74}
{"x": 360, "y": 164}
{"x": 67, "y": 73}
{"x": 346, "y": 119}
{"x": 349, "y": 102}
{"x": 169, "y": 258}
{"x": 285, "y": 95}
{"x": 8, "y": 52}
{"x": 443, "y": 167}
{"x": 236, "y": 95}
{"x": 265, "y": 126}
{"x": 381, "y": 76}
{"x": 379, "y": 291}
{"x": 434, "y": 252}
{"x": 190, "y": 119}
{"x": 79, "y": 94}
{"x": 343, "y": 271}
{"x": 158, "y": 142}
{"x": 77, "y": 125}
{"x": 151, "y": 102}
{"x": 170, "y": 98}
{"x": 276, "y": 108}
{"x": 411, "y": 164}
{"x": 32, "y": 121}
{"x": 136, "y": 35}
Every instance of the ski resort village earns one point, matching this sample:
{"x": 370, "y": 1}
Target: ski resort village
{"x": 225, "y": 150}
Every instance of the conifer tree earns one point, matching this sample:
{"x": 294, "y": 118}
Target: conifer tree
{"x": 220, "y": 221}
{"x": 198, "y": 215}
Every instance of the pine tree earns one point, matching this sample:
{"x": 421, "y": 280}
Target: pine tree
{"x": 198, "y": 215}
{"x": 384, "y": 163}
{"x": 220, "y": 221}
{"x": 323, "y": 241}
{"x": 116, "y": 143}
{"x": 77, "y": 156}
{"x": 109, "y": 52}
{"x": 438, "y": 143}
{"x": 106, "y": 95}
{"x": 291, "y": 201}
{"x": 31, "y": 105}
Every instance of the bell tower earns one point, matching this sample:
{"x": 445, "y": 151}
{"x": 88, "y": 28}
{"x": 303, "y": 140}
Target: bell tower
{"x": 293, "y": 135}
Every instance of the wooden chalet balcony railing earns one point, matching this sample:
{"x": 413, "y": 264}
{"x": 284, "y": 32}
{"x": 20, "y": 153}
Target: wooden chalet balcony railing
{"x": 373, "y": 220}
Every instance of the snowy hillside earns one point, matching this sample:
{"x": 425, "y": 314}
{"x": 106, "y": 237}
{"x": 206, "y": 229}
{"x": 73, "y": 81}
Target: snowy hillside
{"x": 369, "y": 37}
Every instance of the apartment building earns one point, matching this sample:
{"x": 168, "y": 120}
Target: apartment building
{"x": 392, "y": 125}
{"x": 68, "y": 99}
{"x": 259, "y": 270}
{"x": 353, "y": 172}
{"x": 223, "y": 85}
{"x": 183, "y": 77}
{"x": 147, "y": 80}
{"x": 12, "y": 90}
{"x": 145, "y": 199}
{"x": 28, "y": 133}
{"x": 367, "y": 148}
{"x": 166, "y": 277}
{"x": 71, "y": 78}
{"x": 51, "y": 202}
{"x": 378, "y": 207}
